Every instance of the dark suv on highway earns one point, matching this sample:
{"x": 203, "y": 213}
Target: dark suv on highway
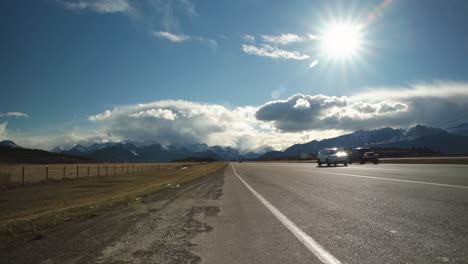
{"x": 363, "y": 155}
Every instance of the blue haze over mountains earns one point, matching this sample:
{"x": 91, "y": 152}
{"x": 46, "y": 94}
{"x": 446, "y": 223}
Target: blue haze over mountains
{"x": 450, "y": 140}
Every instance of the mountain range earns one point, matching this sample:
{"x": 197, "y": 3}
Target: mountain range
{"x": 12, "y": 153}
{"x": 452, "y": 140}
{"x": 443, "y": 140}
{"x": 130, "y": 151}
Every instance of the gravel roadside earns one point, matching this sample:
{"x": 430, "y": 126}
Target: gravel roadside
{"x": 154, "y": 229}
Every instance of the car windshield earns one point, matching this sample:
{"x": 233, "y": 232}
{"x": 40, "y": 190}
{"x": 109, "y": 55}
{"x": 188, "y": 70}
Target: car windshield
{"x": 329, "y": 152}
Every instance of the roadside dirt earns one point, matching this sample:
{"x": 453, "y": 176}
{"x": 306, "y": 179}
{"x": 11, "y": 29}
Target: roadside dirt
{"x": 154, "y": 229}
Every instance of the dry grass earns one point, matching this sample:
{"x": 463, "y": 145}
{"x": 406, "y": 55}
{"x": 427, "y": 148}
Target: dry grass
{"x": 15, "y": 174}
{"x": 26, "y": 212}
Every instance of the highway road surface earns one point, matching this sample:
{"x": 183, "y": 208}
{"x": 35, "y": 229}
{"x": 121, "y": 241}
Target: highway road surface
{"x": 279, "y": 213}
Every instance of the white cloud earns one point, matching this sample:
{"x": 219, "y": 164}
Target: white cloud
{"x": 101, "y": 116}
{"x": 14, "y": 114}
{"x": 3, "y": 131}
{"x": 273, "y": 52}
{"x": 51, "y": 139}
{"x": 171, "y": 122}
{"x": 178, "y": 121}
{"x": 282, "y": 39}
{"x": 301, "y": 104}
{"x": 171, "y": 36}
{"x": 155, "y": 113}
{"x": 438, "y": 104}
{"x": 248, "y": 37}
{"x": 279, "y": 123}
{"x": 182, "y": 38}
{"x": 100, "y": 6}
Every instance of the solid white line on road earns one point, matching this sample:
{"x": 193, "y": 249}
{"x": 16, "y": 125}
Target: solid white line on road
{"x": 404, "y": 170}
{"x": 387, "y": 179}
{"x": 323, "y": 255}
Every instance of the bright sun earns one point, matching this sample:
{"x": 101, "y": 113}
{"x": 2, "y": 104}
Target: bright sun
{"x": 341, "y": 41}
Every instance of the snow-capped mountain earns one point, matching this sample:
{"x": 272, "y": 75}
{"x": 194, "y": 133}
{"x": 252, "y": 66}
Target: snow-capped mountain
{"x": 420, "y": 131}
{"x": 461, "y": 130}
{"x": 227, "y": 153}
{"x": 257, "y": 152}
{"x": 129, "y": 152}
{"x": 416, "y": 136}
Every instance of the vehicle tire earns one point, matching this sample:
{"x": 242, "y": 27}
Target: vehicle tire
{"x": 328, "y": 163}
{"x": 346, "y": 164}
{"x": 336, "y": 164}
{"x": 376, "y": 161}
{"x": 319, "y": 164}
{"x": 363, "y": 162}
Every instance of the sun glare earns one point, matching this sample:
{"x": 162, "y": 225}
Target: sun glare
{"x": 341, "y": 41}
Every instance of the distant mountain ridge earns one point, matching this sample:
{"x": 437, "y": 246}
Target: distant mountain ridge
{"x": 461, "y": 130}
{"x": 131, "y": 151}
{"x": 416, "y": 136}
{"x": 450, "y": 140}
{"x": 9, "y": 143}
{"x": 12, "y": 153}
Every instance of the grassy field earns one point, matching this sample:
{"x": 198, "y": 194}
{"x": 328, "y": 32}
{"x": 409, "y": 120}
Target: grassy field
{"x": 23, "y": 174}
{"x": 27, "y": 211}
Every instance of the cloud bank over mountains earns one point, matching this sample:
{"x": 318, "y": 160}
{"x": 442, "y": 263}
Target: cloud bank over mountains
{"x": 279, "y": 123}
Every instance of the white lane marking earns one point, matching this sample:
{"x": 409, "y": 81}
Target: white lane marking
{"x": 388, "y": 179}
{"x": 367, "y": 168}
{"x": 323, "y": 255}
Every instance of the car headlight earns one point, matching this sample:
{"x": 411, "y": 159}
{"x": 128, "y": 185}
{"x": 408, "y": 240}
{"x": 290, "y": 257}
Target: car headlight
{"x": 341, "y": 154}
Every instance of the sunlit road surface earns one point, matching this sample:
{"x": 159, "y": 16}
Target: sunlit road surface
{"x": 277, "y": 213}
{"x": 300, "y": 213}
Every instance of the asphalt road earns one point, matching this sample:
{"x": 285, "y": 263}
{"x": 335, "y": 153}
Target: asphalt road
{"x": 278, "y": 213}
{"x": 357, "y": 214}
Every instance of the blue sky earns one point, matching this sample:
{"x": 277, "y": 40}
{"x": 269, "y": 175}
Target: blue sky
{"x": 65, "y": 62}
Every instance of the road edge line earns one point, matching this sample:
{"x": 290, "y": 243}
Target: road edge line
{"x": 322, "y": 254}
{"x": 389, "y": 179}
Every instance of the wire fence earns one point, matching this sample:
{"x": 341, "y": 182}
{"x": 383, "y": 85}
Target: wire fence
{"x": 30, "y": 174}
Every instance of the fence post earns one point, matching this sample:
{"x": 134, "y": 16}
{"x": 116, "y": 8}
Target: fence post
{"x": 23, "y": 175}
{"x": 77, "y": 174}
{"x": 88, "y": 170}
{"x": 114, "y": 169}
{"x": 46, "y": 173}
{"x": 63, "y": 176}
{"x": 97, "y": 170}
